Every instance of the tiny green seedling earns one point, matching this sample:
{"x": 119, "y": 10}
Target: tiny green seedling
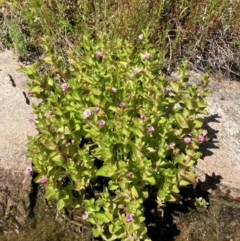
{"x": 202, "y": 202}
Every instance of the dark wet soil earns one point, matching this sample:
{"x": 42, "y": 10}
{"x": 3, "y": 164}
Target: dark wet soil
{"x": 220, "y": 221}
{"x": 186, "y": 222}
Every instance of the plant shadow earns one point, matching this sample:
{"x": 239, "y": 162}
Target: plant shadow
{"x": 211, "y": 137}
{"x": 164, "y": 228}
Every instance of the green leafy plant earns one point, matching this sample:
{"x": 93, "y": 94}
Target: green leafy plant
{"x": 202, "y": 202}
{"x": 114, "y": 131}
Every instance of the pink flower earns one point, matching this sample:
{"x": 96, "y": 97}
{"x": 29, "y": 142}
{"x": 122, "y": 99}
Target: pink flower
{"x": 101, "y": 122}
{"x": 199, "y": 94}
{"x": 30, "y": 121}
{"x": 130, "y": 75}
{"x": 129, "y": 217}
{"x": 141, "y": 36}
{"x": 122, "y": 105}
{"x": 147, "y": 56}
{"x": 129, "y": 174}
{"x": 28, "y": 170}
{"x": 150, "y": 129}
{"x": 137, "y": 70}
{"x": 30, "y": 94}
{"x": 142, "y": 117}
{"x": 171, "y": 145}
{"x": 85, "y": 215}
{"x": 87, "y": 113}
{"x": 98, "y": 54}
{"x": 64, "y": 86}
{"x": 187, "y": 139}
{"x": 44, "y": 179}
{"x": 95, "y": 109}
{"x": 200, "y": 138}
{"x": 114, "y": 90}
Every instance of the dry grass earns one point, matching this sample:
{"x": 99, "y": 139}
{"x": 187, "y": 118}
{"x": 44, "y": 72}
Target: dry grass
{"x": 206, "y": 32}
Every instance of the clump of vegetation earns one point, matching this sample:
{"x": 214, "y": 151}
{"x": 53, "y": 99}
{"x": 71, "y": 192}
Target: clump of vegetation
{"x": 114, "y": 132}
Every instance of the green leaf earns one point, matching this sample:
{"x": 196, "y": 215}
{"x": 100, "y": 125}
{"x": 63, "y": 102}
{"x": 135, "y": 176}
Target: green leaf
{"x": 186, "y": 113}
{"x": 132, "y": 227}
{"x": 184, "y": 182}
{"x": 97, "y": 232}
{"x": 91, "y": 220}
{"x": 150, "y": 179}
{"x": 186, "y": 177}
{"x": 61, "y": 204}
{"x": 95, "y": 91}
{"x": 95, "y": 101}
{"x": 113, "y": 228}
{"x": 175, "y": 86}
{"x": 57, "y": 159}
{"x": 113, "y": 108}
{"x": 49, "y": 80}
{"x": 109, "y": 215}
{"x": 134, "y": 192}
{"x": 50, "y": 146}
{"x": 202, "y": 104}
{"x": 198, "y": 123}
{"x": 162, "y": 120}
{"x": 36, "y": 89}
{"x": 112, "y": 186}
{"x": 102, "y": 217}
{"x": 188, "y": 103}
{"x": 181, "y": 120}
{"x": 197, "y": 155}
{"x": 52, "y": 194}
{"x": 136, "y": 131}
{"x": 122, "y": 164}
{"x": 106, "y": 171}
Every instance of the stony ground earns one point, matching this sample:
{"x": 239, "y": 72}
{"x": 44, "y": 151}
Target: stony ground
{"x": 15, "y": 111}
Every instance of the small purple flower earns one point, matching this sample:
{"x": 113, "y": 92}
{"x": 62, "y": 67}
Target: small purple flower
{"x": 137, "y": 70}
{"x": 95, "y": 109}
{"x": 131, "y": 75}
{"x": 28, "y": 170}
{"x": 30, "y": 121}
{"x": 98, "y": 53}
{"x": 129, "y": 217}
{"x": 171, "y": 145}
{"x": 199, "y": 94}
{"x": 114, "y": 90}
{"x": 87, "y": 113}
{"x": 101, "y": 122}
{"x": 64, "y": 86}
{"x": 44, "y": 179}
{"x": 122, "y": 105}
{"x": 187, "y": 139}
{"x": 141, "y": 36}
{"x": 147, "y": 56}
{"x": 129, "y": 174}
{"x": 142, "y": 117}
{"x": 200, "y": 138}
{"x": 150, "y": 129}
{"x": 30, "y": 94}
{"x": 85, "y": 215}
